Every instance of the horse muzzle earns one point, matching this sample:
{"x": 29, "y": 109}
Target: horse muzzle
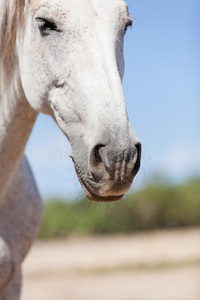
{"x": 109, "y": 172}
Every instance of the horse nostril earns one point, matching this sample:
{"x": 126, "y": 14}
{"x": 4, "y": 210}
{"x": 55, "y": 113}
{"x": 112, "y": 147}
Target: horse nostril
{"x": 136, "y": 168}
{"x": 96, "y": 163}
{"x": 97, "y": 158}
{"x": 97, "y": 154}
{"x": 138, "y": 146}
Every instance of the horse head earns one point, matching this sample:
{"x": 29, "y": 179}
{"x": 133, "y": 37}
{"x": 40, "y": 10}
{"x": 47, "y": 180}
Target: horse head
{"x": 71, "y": 67}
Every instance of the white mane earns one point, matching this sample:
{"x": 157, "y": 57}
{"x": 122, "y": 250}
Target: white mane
{"x": 11, "y": 16}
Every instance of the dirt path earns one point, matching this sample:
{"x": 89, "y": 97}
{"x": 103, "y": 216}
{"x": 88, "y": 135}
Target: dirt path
{"x": 153, "y": 266}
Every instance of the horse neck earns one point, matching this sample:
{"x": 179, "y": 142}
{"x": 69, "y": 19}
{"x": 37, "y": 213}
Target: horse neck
{"x": 16, "y": 122}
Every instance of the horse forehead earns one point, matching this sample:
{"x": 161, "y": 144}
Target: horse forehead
{"x": 78, "y": 5}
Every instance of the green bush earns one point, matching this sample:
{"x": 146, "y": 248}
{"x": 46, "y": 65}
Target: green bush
{"x": 155, "y": 207}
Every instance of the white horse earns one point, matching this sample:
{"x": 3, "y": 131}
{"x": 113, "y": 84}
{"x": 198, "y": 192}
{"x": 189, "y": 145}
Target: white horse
{"x": 63, "y": 58}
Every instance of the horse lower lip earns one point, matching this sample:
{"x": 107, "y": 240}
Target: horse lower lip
{"x": 94, "y": 197}
{"x": 105, "y": 199}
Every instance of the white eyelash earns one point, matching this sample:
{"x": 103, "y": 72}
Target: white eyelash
{"x": 41, "y": 24}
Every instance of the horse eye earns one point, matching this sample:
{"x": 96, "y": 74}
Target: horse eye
{"x": 46, "y": 26}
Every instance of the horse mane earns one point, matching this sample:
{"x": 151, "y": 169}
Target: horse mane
{"x": 11, "y": 16}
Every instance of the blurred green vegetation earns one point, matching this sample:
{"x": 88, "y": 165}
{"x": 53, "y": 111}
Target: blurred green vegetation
{"x": 158, "y": 206}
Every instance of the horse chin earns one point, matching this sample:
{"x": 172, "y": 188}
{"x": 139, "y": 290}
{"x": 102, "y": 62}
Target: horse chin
{"x": 94, "y": 197}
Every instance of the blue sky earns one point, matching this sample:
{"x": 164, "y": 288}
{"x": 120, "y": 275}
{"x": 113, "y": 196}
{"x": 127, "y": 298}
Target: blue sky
{"x": 161, "y": 86}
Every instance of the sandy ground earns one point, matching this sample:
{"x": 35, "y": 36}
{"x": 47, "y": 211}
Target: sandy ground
{"x": 154, "y": 266}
